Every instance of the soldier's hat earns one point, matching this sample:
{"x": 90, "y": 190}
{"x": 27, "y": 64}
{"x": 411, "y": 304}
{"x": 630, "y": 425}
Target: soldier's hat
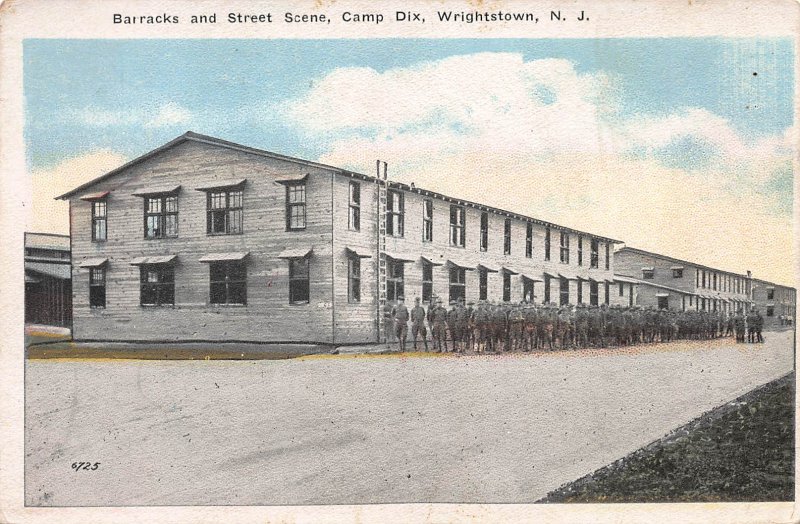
{"x": 401, "y": 297}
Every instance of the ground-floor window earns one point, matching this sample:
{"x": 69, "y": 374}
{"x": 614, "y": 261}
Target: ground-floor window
{"x": 621, "y": 289}
{"x": 593, "y": 292}
{"x": 527, "y": 289}
{"x": 427, "y": 282}
{"x": 97, "y": 287}
{"x": 483, "y": 284}
{"x": 546, "y": 289}
{"x": 580, "y": 291}
{"x": 228, "y": 283}
{"x": 563, "y": 289}
{"x": 354, "y": 279}
{"x": 506, "y": 287}
{"x": 630, "y": 296}
{"x": 458, "y": 283}
{"x": 395, "y": 279}
{"x": 157, "y": 285}
{"x": 608, "y": 293}
{"x": 663, "y": 302}
{"x": 770, "y": 311}
{"x": 298, "y": 281}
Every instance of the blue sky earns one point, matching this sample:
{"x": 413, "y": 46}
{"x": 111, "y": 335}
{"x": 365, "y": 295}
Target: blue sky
{"x": 230, "y": 83}
{"x": 673, "y": 145}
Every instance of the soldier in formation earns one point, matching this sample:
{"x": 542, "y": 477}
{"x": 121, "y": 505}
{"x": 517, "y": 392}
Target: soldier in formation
{"x": 501, "y": 327}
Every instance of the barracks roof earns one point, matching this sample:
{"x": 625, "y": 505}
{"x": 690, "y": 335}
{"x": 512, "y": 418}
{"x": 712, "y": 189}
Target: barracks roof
{"x": 196, "y": 137}
{"x": 47, "y": 241}
{"x": 676, "y": 260}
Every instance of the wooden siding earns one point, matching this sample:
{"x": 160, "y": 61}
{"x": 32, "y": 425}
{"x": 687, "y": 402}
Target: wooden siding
{"x": 268, "y": 316}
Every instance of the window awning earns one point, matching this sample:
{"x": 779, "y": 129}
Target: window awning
{"x": 676, "y": 267}
{"x": 662, "y": 294}
{"x": 431, "y": 262}
{"x": 62, "y": 271}
{"x": 224, "y": 257}
{"x": 292, "y": 179}
{"x": 460, "y": 265}
{"x": 95, "y": 196}
{"x": 398, "y": 258}
{"x": 487, "y": 268}
{"x": 622, "y": 278}
{"x": 531, "y": 279}
{"x": 350, "y": 252}
{"x": 162, "y": 259}
{"x": 568, "y": 277}
{"x": 648, "y": 269}
{"x": 551, "y": 275}
{"x": 222, "y": 184}
{"x": 29, "y": 279}
{"x": 510, "y": 271}
{"x": 93, "y": 262}
{"x": 152, "y": 191}
{"x": 296, "y": 252}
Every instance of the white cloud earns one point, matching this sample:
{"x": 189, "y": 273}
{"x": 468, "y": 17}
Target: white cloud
{"x": 164, "y": 115}
{"x": 52, "y": 216}
{"x": 541, "y": 138}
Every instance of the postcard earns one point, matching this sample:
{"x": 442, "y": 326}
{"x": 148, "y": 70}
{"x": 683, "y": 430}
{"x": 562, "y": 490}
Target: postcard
{"x": 350, "y": 261}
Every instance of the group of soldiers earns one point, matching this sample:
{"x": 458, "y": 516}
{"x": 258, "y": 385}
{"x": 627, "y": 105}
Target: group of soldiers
{"x": 494, "y": 327}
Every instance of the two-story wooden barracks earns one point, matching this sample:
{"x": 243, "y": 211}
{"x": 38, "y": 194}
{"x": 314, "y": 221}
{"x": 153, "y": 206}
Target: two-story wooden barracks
{"x": 203, "y": 239}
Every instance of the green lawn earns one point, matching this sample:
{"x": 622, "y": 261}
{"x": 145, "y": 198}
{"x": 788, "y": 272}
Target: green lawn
{"x": 742, "y": 451}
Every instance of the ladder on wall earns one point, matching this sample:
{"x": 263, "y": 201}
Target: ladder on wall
{"x": 381, "y": 210}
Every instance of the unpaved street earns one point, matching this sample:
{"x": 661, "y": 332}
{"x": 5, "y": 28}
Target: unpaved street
{"x": 365, "y": 430}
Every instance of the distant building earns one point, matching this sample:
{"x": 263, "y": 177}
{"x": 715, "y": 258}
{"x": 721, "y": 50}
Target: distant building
{"x": 776, "y": 303}
{"x": 204, "y": 239}
{"x": 48, "y": 286}
{"x": 670, "y": 283}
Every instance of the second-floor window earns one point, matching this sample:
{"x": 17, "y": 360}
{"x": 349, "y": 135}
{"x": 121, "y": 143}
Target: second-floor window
{"x": 99, "y": 229}
{"x": 295, "y": 206}
{"x": 580, "y": 250}
{"x": 427, "y": 221}
{"x": 507, "y": 237}
{"x": 354, "y": 218}
{"x": 608, "y": 256}
{"x": 564, "y": 251}
{"x": 161, "y": 216}
{"x": 648, "y": 273}
{"x": 547, "y": 244}
{"x": 594, "y": 261}
{"x": 484, "y": 240}
{"x": 677, "y": 272}
{"x": 770, "y": 294}
{"x": 457, "y": 226}
{"x": 529, "y": 240}
{"x": 224, "y": 211}
{"x": 395, "y": 213}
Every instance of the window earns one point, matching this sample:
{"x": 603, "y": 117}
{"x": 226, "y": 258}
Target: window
{"x": 564, "y": 253}
{"x": 547, "y": 245}
{"x": 630, "y": 296}
{"x": 770, "y": 311}
{"x": 427, "y": 282}
{"x": 507, "y": 237}
{"x": 506, "y": 286}
{"x": 527, "y": 290}
{"x": 593, "y": 292}
{"x": 427, "y": 221}
{"x": 354, "y": 218}
{"x": 99, "y": 230}
{"x": 395, "y": 213}
{"x": 395, "y": 279}
{"x": 295, "y": 206}
{"x": 563, "y": 289}
{"x": 157, "y": 285}
{"x": 224, "y": 210}
{"x": 457, "y": 226}
{"x": 529, "y": 240}
{"x": 547, "y": 289}
{"x": 580, "y": 250}
{"x": 677, "y": 272}
{"x": 354, "y": 279}
{"x": 483, "y": 284}
{"x": 770, "y": 294}
{"x": 595, "y": 247}
{"x": 161, "y": 216}
{"x": 648, "y": 274}
{"x": 607, "y": 293}
{"x": 697, "y": 278}
{"x": 228, "y": 283}
{"x": 580, "y": 291}
{"x": 704, "y": 278}
{"x": 608, "y": 256}
{"x": 97, "y": 287}
{"x": 458, "y": 287}
{"x": 298, "y": 281}
{"x": 714, "y": 285}
{"x": 484, "y": 231}
{"x": 621, "y": 289}
{"x": 663, "y": 302}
